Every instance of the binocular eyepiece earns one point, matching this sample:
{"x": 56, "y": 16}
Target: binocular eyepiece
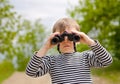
{"x": 60, "y": 38}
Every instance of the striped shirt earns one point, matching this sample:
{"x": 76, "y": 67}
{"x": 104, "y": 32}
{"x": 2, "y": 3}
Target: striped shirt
{"x": 70, "y": 68}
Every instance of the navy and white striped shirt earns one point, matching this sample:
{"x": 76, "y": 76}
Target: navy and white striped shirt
{"x": 70, "y": 68}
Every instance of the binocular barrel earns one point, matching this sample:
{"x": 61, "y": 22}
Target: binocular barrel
{"x": 71, "y": 37}
{"x": 55, "y": 40}
{"x": 76, "y": 38}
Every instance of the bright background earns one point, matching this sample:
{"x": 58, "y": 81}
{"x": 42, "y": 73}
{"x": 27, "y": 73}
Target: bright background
{"x": 47, "y": 10}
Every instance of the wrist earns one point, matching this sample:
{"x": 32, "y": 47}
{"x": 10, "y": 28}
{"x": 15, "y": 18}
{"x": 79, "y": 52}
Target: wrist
{"x": 42, "y": 52}
{"x": 91, "y": 42}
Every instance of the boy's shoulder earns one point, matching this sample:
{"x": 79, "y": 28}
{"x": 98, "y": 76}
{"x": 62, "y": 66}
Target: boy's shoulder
{"x": 83, "y": 53}
{"x": 76, "y": 53}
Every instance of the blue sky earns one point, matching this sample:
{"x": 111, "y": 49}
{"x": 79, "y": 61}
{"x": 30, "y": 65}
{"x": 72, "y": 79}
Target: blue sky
{"x": 47, "y": 10}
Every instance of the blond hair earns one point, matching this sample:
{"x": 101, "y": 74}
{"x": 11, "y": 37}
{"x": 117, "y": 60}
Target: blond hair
{"x": 64, "y": 23}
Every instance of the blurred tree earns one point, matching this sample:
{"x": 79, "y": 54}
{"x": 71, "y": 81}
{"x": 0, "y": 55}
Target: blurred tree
{"x": 101, "y": 20}
{"x": 18, "y": 37}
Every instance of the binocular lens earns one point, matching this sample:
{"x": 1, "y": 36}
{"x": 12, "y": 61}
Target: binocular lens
{"x": 76, "y": 38}
{"x": 56, "y": 39}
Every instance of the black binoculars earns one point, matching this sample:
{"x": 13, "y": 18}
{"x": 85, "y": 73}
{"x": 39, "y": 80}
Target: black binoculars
{"x": 60, "y": 38}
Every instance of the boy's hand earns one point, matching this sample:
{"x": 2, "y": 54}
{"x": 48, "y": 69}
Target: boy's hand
{"x": 84, "y": 38}
{"x": 48, "y": 43}
{"x": 46, "y": 46}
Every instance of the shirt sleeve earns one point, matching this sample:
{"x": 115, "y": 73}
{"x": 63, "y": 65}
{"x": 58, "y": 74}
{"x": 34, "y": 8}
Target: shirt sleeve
{"x": 38, "y": 66}
{"x": 99, "y": 56}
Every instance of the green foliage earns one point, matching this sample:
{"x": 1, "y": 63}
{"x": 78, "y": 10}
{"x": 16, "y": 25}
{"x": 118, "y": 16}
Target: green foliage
{"x": 82, "y": 47}
{"x": 6, "y": 69}
{"x": 22, "y": 63}
{"x": 101, "y": 20}
{"x": 19, "y": 37}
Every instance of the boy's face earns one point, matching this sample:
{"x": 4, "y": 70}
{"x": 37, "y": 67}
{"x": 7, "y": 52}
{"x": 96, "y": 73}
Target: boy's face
{"x": 67, "y": 46}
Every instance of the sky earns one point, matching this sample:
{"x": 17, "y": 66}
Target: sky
{"x": 49, "y": 11}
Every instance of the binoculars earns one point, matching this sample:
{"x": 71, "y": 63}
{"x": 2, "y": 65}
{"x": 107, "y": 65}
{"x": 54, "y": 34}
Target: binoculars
{"x": 60, "y": 38}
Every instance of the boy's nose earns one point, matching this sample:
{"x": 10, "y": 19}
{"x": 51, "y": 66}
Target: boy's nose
{"x": 65, "y": 38}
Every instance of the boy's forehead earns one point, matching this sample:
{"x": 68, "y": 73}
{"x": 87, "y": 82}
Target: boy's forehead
{"x": 69, "y": 30}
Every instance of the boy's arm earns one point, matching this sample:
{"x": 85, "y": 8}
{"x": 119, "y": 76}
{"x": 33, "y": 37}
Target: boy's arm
{"x": 40, "y": 63}
{"x": 38, "y": 66}
{"x": 99, "y": 56}
{"x": 42, "y": 52}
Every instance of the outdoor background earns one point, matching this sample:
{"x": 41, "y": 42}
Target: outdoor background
{"x": 25, "y": 25}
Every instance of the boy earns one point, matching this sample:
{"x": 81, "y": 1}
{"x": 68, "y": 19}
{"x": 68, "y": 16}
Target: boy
{"x": 68, "y": 67}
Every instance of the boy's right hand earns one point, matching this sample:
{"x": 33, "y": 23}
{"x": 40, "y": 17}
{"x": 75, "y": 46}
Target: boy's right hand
{"x": 47, "y": 45}
{"x": 48, "y": 42}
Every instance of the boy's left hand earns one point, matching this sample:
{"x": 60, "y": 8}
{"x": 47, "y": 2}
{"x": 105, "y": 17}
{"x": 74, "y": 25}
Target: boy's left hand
{"x": 84, "y": 38}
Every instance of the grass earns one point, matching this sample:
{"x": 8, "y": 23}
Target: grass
{"x": 6, "y": 69}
